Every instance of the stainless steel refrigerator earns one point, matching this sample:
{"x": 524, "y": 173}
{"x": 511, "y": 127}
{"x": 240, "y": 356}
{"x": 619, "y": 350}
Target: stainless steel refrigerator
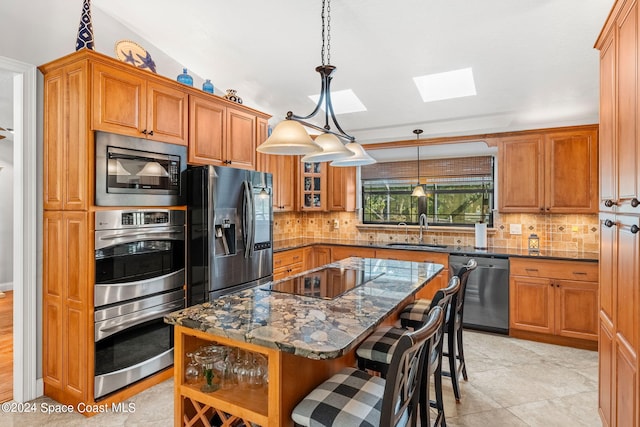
{"x": 229, "y": 231}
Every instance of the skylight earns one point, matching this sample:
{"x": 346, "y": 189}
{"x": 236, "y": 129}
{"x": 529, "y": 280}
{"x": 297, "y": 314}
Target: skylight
{"x": 343, "y": 101}
{"x": 447, "y": 85}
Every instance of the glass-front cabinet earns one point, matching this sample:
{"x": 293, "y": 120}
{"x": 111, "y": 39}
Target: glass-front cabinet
{"x": 313, "y": 188}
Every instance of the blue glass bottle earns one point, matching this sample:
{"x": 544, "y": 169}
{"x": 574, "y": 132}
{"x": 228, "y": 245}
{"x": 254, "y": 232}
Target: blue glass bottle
{"x": 185, "y": 78}
{"x": 207, "y": 86}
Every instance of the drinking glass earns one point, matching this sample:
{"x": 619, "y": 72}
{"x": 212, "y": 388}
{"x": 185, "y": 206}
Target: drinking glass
{"x": 193, "y": 371}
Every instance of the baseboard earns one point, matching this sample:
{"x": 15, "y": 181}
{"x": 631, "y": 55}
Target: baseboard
{"x": 7, "y": 286}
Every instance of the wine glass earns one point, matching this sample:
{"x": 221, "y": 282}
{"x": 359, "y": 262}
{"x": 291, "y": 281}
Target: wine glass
{"x": 193, "y": 371}
{"x": 207, "y": 357}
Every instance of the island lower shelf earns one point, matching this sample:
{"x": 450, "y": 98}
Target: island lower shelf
{"x": 270, "y": 405}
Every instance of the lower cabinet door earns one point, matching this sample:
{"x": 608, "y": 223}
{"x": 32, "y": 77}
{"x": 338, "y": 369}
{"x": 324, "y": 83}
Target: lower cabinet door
{"x": 531, "y": 302}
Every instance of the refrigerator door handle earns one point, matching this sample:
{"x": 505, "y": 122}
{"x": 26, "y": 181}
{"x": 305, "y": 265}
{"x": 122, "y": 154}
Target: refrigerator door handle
{"x": 248, "y": 220}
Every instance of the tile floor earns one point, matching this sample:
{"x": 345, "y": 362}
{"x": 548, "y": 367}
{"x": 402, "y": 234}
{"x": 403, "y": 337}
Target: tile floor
{"x": 511, "y": 383}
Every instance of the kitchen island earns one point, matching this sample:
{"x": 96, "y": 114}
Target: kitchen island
{"x": 304, "y": 338}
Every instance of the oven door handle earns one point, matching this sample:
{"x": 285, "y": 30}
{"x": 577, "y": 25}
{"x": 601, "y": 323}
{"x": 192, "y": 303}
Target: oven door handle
{"x": 106, "y": 240}
{"x": 112, "y": 326}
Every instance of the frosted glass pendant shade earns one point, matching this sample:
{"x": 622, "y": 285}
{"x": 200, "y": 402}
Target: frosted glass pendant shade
{"x": 418, "y": 191}
{"x": 116, "y": 168}
{"x": 153, "y": 169}
{"x": 360, "y": 157}
{"x": 332, "y": 149}
{"x": 289, "y": 137}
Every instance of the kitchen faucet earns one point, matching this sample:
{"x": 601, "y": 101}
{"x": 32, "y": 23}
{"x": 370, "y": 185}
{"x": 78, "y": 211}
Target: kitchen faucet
{"x": 406, "y": 233}
{"x": 422, "y": 222}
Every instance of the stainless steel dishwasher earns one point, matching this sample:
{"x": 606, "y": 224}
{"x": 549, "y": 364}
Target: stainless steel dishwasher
{"x": 486, "y": 302}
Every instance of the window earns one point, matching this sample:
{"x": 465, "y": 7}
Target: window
{"x": 459, "y": 192}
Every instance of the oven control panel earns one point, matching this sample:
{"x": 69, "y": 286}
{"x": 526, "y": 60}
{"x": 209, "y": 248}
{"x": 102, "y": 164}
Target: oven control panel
{"x": 138, "y": 218}
{"x": 144, "y": 218}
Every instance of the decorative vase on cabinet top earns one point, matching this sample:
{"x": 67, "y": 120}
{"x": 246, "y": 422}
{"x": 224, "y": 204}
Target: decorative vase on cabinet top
{"x": 185, "y": 78}
{"x": 207, "y": 86}
{"x": 231, "y": 96}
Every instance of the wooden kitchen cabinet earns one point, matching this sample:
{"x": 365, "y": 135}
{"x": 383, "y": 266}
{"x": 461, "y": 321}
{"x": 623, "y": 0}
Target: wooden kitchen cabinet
{"x": 287, "y": 263}
{"x": 240, "y": 144}
{"x": 619, "y": 318}
{"x": 619, "y": 387}
{"x": 67, "y": 306}
{"x": 67, "y": 166}
{"x": 321, "y": 256}
{"x": 313, "y": 186}
{"x": 558, "y": 298}
{"x": 342, "y": 189}
{"x": 284, "y": 172}
{"x": 130, "y": 103}
{"x": 326, "y": 188}
{"x": 221, "y": 135}
{"x": 342, "y": 252}
{"x": 552, "y": 172}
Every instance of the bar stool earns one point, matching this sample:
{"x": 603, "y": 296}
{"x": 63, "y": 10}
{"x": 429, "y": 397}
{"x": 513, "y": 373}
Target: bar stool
{"x": 413, "y": 313}
{"x": 355, "y": 398}
{"x": 374, "y": 352}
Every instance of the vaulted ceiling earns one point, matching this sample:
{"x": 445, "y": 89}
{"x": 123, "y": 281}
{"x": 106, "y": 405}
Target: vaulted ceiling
{"x": 533, "y": 61}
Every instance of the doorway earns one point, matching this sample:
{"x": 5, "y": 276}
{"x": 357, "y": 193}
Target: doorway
{"x": 25, "y": 236}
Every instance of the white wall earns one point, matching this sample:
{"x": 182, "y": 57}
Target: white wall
{"x": 6, "y": 214}
{"x": 40, "y": 31}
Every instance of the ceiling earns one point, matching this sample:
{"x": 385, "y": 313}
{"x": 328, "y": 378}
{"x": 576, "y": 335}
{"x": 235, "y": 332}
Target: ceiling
{"x": 533, "y": 61}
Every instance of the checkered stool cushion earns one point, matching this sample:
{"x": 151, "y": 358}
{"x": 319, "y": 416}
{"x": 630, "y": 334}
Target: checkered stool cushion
{"x": 416, "y": 312}
{"x": 379, "y": 346}
{"x": 349, "y": 398}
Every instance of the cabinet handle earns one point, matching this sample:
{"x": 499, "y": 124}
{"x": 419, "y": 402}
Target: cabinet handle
{"x": 635, "y": 202}
{"x": 634, "y": 229}
{"x": 531, "y": 269}
{"x": 150, "y": 132}
{"x": 609, "y": 203}
{"x": 541, "y": 209}
{"x": 144, "y": 131}
{"x": 609, "y": 223}
{"x": 580, "y": 273}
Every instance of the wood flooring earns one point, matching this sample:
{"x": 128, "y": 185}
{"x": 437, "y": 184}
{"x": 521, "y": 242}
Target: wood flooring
{"x": 6, "y": 347}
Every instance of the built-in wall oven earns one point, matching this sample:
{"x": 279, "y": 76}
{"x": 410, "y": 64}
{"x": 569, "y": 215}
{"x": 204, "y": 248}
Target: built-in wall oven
{"x": 139, "y": 277}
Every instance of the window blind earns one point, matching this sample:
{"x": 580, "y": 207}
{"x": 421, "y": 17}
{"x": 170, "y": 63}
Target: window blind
{"x": 459, "y": 167}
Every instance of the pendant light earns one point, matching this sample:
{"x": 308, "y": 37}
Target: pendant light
{"x": 290, "y": 137}
{"x": 418, "y": 190}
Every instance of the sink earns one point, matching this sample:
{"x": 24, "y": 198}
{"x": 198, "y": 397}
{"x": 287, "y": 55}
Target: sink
{"x": 418, "y": 245}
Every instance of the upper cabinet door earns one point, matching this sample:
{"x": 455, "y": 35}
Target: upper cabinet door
{"x": 119, "y": 103}
{"x": 520, "y": 174}
{"x": 342, "y": 189}
{"x": 67, "y": 171}
{"x": 206, "y": 131}
{"x": 167, "y": 114}
{"x": 627, "y": 109}
{"x": 241, "y": 139}
{"x": 607, "y": 131}
{"x": 571, "y": 172}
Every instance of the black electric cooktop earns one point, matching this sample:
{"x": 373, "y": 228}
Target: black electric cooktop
{"x": 327, "y": 283}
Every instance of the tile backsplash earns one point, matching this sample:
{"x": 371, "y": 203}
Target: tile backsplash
{"x": 558, "y": 231}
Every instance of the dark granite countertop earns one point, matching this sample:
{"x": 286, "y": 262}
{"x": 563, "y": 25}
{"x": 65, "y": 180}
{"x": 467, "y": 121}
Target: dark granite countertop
{"x": 283, "y": 245}
{"x": 306, "y": 326}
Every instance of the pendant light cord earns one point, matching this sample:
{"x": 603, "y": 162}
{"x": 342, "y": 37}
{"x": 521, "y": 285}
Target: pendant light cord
{"x": 326, "y": 32}
{"x": 418, "y": 132}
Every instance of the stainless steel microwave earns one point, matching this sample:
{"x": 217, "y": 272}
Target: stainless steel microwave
{"x": 138, "y": 172}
